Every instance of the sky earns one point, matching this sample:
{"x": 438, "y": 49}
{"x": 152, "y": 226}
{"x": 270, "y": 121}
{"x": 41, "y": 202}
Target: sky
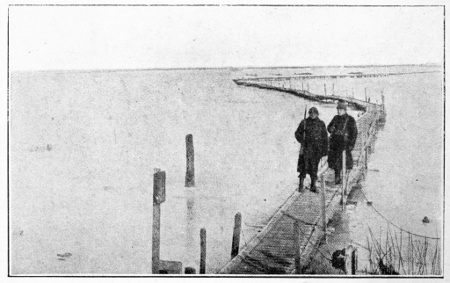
{"x": 125, "y": 37}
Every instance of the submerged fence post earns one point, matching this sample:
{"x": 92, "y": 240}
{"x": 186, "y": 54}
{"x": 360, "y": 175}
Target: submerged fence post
{"x": 333, "y": 90}
{"x": 190, "y": 172}
{"x": 159, "y": 196}
{"x": 324, "y": 220}
{"x": 325, "y": 89}
{"x": 236, "y": 235}
{"x": 298, "y": 266}
{"x": 365, "y": 94}
{"x": 189, "y": 270}
{"x": 354, "y": 261}
{"x": 350, "y": 260}
{"x": 202, "y": 251}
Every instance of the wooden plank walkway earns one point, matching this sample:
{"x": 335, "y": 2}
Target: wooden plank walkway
{"x": 355, "y": 103}
{"x": 271, "y": 251}
{"x": 354, "y": 75}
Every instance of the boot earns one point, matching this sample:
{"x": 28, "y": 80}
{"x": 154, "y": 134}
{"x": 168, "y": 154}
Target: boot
{"x": 313, "y": 185}
{"x": 300, "y": 184}
{"x": 337, "y": 177}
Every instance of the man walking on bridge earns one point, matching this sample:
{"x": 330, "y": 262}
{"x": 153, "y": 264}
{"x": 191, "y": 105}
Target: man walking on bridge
{"x": 313, "y": 137}
{"x": 343, "y": 137}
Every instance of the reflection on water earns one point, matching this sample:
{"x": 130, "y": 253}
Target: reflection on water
{"x": 191, "y": 241}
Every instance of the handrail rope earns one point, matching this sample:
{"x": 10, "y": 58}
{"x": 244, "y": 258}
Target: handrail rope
{"x": 308, "y": 241}
{"x": 243, "y": 237}
{"x": 398, "y": 227}
{"x": 364, "y": 247}
{"x": 302, "y": 221}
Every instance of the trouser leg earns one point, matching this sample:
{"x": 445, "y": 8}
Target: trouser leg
{"x": 313, "y": 173}
{"x": 313, "y": 183}
{"x": 301, "y": 178}
{"x": 349, "y": 160}
{"x": 337, "y": 176}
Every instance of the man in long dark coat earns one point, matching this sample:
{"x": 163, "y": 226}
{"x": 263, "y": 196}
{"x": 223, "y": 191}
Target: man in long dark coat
{"x": 343, "y": 132}
{"x": 313, "y": 137}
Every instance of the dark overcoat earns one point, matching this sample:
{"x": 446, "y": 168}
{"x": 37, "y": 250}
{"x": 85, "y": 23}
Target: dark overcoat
{"x": 314, "y": 143}
{"x": 343, "y": 132}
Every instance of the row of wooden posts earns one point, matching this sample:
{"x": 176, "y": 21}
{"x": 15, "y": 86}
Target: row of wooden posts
{"x": 366, "y": 98}
{"x": 159, "y": 196}
{"x": 314, "y": 77}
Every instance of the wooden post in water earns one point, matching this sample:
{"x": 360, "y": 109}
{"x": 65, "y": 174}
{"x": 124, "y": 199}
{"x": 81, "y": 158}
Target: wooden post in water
{"x": 202, "y": 251}
{"x": 189, "y": 270}
{"x": 354, "y": 261}
{"x": 190, "y": 172}
{"x": 333, "y": 90}
{"x": 324, "y": 219}
{"x": 365, "y": 94}
{"x": 159, "y": 196}
{"x": 351, "y": 260}
{"x": 236, "y": 235}
{"x": 325, "y": 89}
{"x": 308, "y": 87}
{"x": 298, "y": 267}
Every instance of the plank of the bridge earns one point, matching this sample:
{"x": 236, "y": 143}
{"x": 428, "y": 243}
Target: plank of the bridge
{"x": 273, "y": 254}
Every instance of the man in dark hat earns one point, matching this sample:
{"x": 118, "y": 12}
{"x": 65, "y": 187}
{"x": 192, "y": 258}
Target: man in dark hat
{"x": 313, "y": 137}
{"x": 343, "y": 137}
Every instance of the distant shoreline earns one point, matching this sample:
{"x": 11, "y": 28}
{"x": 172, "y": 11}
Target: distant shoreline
{"x": 229, "y": 68}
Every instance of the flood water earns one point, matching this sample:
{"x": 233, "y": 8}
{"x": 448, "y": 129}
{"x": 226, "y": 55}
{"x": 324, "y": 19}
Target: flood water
{"x": 84, "y": 145}
{"x": 405, "y": 177}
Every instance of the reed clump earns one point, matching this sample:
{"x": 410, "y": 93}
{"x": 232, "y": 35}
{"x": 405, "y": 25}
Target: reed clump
{"x": 402, "y": 253}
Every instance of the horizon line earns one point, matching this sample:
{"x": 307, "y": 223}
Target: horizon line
{"x": 229, "y": 67}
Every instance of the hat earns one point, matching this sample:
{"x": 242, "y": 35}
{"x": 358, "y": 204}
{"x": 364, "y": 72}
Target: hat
{"x": 313, "y": 110}
{"x": 341, "y": 105}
